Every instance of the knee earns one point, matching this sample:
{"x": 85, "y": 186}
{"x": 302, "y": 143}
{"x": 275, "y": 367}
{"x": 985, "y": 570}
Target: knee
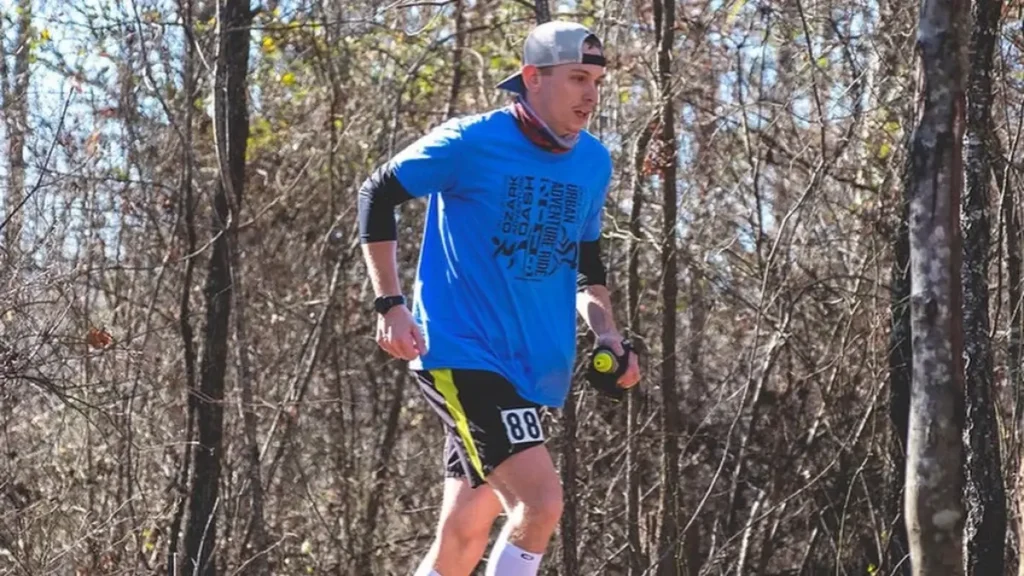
{"x": 543, "y": 510}
{"x": 464, "y": 530}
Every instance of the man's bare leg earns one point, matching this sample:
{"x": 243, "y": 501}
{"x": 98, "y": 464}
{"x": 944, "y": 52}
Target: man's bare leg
{"x": 530, "y": 490}
{"x": 463, "y": 530}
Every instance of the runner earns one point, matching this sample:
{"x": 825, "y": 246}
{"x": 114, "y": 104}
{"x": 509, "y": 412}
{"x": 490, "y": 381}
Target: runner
{"x": 510, "y": 255}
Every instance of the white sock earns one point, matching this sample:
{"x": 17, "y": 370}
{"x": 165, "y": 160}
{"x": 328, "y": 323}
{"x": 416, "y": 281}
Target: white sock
{"x": 507, "y": 559}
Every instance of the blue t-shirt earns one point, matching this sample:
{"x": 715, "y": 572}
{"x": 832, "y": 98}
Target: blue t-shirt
{"x": 496, "y": 281}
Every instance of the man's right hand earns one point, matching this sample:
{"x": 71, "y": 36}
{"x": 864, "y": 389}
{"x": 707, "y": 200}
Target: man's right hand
{"x": 399, "y": 335}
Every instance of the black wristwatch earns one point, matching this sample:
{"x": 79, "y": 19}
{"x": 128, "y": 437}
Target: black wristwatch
{"x": 384, "y": 303}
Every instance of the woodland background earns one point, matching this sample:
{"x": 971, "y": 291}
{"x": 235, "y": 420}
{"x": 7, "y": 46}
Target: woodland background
{"x": 188, "y": 373}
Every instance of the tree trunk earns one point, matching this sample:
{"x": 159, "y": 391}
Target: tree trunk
{"x": 1011, "y": 226}
{"x": 254, "y": 543}
{"x": 635, "y": 556}
{"x": 1011, "y": 238}
{"x": 457, "y": 68}
{"x": 893, "y": 99}
{"x": 569, "y": 529}
{"x": 232, "y": 131}
{"x": 187, "y": 229}
{"x": 935, "y": 515}
{"x": 543, "y": 11}
{"x": 900, "y": 373}
{"x": 669, "y": 536}
{"x": 985, "y": 529}
{"x": 375, "y": 504}
{"x": 14, "y": 93}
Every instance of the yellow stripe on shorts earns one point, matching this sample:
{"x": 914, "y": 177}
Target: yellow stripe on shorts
{"x": 446, "y": 386}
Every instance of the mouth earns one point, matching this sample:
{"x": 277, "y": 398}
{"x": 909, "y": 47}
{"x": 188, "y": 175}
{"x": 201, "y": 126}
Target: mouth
{"x": 582, "y": 115}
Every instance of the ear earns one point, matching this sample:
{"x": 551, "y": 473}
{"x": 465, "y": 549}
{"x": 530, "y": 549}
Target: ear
{"x": 531, "y": 77}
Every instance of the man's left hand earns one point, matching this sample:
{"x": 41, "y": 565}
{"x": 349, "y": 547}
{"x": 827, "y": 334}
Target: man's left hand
{"x": 631, "y": 376}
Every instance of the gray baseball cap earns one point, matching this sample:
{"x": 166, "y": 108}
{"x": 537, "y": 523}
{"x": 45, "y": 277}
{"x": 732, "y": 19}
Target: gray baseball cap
{"x": 551, "y": 44}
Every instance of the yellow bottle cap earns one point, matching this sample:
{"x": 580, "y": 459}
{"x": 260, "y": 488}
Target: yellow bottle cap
{"x": 604, "y": 362}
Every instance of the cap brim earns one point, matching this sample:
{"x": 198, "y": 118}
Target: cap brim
{"x": 513, "y": 83}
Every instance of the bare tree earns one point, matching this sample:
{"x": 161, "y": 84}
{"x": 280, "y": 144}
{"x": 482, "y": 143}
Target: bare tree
{"x": 900, "y": 378}
{"x": 900, "y": 349}
{"x": 458, "y": 70}
{"x": 985, "y": 528}
{"x": 636, "y": 556}
{"x": 186, "y": 229}
{"x": 935, "y": 514}
{"x": 669, "y": 549}
{"x": 14, "y": 105}
{"x": 232, "y": 131}
{"x": 542, "y": 10}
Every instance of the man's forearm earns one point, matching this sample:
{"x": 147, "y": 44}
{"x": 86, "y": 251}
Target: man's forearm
{"x": 381, "y": 263}
{"x": 595, "y": 306}
{"x": 378, "y": 197}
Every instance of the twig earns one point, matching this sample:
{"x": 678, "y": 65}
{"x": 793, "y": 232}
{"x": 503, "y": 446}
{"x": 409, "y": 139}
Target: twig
{"x": 49, "y": 153}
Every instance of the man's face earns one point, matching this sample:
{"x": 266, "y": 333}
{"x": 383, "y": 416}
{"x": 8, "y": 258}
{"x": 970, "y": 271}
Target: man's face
{"x": 566, "y": 95}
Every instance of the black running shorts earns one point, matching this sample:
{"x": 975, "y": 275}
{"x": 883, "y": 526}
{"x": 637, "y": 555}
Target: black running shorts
{"x": 485, "y": 420}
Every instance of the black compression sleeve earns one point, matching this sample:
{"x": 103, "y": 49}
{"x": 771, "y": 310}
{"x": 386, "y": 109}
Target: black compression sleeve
{"x": 591, "y": 269}
{"x": 378, "y": 197}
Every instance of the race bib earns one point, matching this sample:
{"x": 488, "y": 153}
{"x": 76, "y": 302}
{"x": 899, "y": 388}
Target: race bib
{"x": 522, "y": 425}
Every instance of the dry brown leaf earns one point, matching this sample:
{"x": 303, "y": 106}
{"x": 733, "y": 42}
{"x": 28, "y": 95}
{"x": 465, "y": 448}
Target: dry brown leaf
{"x": 98, "y": 338}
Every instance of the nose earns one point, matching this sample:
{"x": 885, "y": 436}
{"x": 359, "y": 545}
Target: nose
{"x": 590, "y": 94}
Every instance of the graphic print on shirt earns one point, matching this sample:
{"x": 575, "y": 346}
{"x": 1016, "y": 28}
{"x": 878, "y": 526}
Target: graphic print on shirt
{"x": 534, "y": 236}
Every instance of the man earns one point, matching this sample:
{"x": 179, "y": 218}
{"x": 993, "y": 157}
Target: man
{"x": 510, "y": 254}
